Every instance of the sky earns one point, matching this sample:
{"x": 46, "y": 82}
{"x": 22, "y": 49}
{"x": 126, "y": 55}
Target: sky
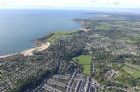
{"x": 69, "y": 3}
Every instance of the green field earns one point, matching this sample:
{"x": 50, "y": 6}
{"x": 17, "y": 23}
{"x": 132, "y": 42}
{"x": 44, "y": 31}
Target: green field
{"x": 133, "y": 70}
{"x": 58, "y": 35}
{"x": 84, "y": 60}
{"x": 103, "y": 26}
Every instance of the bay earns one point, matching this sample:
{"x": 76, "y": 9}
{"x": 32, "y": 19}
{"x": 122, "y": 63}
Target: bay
{"x": 19, "y": 27}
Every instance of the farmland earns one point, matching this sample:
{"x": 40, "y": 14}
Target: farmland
{"x": 133, "y": 70}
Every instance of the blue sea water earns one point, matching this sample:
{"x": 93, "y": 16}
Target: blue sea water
{"x": 19, "y": 27}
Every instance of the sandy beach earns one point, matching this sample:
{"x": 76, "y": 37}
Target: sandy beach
{"x": 29, "y": 52}
{"x": 4, "y": 56}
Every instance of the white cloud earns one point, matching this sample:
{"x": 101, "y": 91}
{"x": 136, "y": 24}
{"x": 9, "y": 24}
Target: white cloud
{"x": 57, "y": 3}
{"x": 70, "y": 3}
{"x": 118, "y": 3}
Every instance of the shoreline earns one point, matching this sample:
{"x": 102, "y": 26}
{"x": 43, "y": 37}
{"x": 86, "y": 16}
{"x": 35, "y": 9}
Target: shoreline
{"x": 41, "y": 47}
{"x": 4, "y": 56}
{"x": 29, "y": 52}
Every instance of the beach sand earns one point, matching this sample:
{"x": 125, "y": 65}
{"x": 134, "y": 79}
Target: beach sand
{"x": 29, "y": 52}
{"x": 4, "y": 56}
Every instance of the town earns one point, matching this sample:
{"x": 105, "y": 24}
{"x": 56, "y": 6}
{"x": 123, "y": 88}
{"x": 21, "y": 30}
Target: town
{"x": 103, "y": 56}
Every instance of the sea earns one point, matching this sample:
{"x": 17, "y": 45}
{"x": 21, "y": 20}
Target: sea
{"x": 18, "y": 28}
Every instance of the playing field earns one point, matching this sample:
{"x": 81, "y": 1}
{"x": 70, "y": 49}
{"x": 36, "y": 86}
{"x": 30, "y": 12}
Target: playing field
{"x": 84, "y": 60}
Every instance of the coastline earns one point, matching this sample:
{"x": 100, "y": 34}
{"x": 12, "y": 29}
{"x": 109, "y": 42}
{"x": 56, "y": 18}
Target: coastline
{"x": 29, "y": 52}
{"x": 4, "y": 56}
{"x": 41, "y": 47}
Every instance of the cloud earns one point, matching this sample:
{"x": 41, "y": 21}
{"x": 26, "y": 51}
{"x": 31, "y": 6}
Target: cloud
{"x": 116, "y": 3}
{"x": 56, "y": 3}
{"x": 70, "y": 3}
{"x": 106, "y": 1}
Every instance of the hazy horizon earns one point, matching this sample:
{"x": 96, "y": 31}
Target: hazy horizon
{"x": 74, "y": 4}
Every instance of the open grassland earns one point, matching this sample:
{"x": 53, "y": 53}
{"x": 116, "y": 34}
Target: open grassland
{"x": 57, "y": 35}
{"x": 132, "y": 70}
{"x": 103, "y": 26}
{"x": 84, "y": 60}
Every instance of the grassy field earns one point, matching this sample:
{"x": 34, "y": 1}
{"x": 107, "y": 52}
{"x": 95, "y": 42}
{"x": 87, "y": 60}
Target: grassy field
{"x": 103, "y": 26}
{"x": 133, "y": 70}
{"x": 85, "y": 61}
{"x": 58, "y": 35}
